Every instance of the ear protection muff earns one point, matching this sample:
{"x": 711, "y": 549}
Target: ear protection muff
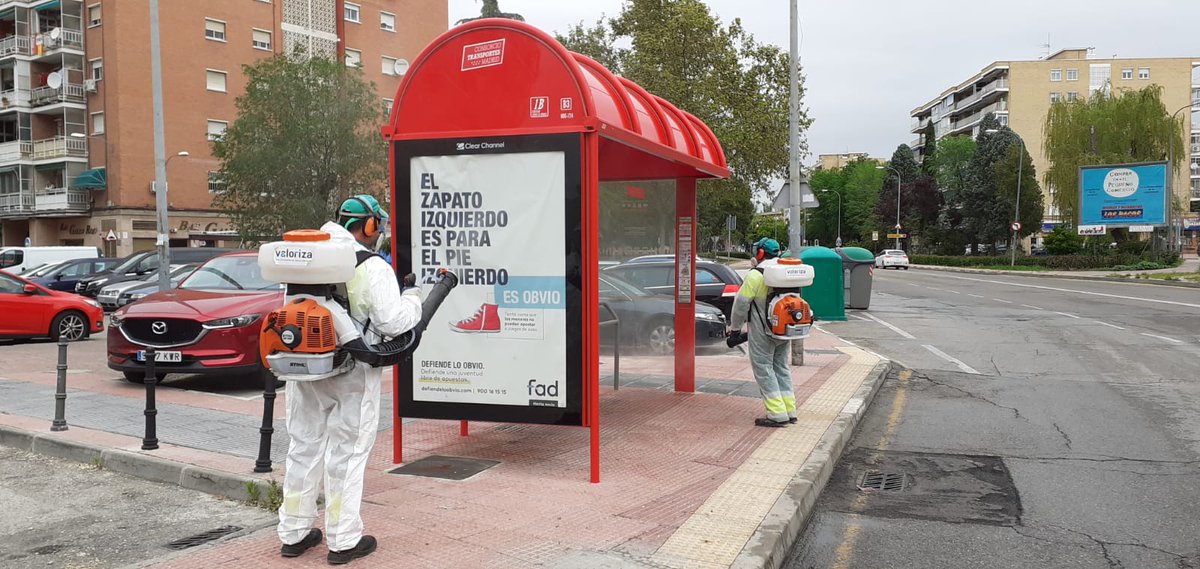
{"x": 759, "y": 254}
{"x": 371, "y": 225}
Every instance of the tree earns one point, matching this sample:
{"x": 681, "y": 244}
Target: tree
{"x": 773, "y": 226}
{"x": 306, "y": 137}
{"x": 719, "y": 73}
{"x": 491, "y": 9}
{"x": 919, "y": 200}
{"x": 860, "y": 195}
{"x": 1119, "y": 128}
{"x": 1031, "y": 204}
{"x": 950, "y": 170}
{"x": 984, "y": 215}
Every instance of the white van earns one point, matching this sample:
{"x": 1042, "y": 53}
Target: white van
{"x": 17, "y": 260}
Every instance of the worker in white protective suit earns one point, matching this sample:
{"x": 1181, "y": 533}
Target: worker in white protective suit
{"x": 332, "y": 422}
{"x": 769, "y": 357}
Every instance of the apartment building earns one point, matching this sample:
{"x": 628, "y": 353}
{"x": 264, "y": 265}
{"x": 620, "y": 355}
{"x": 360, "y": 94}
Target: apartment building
{"x": 839, "y": 161}
{"x": 1020, "y": 93}
{"x": 76, "y": 138}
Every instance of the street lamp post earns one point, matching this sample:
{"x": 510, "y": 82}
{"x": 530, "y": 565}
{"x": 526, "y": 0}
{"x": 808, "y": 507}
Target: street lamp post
{"x": 839, "y": 231}
{"x": 1194, "y": 105}
{"x": 1017, "y": 206}
{"x": 897, "y": 172}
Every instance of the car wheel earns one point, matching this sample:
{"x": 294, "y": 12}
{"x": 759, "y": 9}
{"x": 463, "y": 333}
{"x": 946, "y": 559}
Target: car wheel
{"x": 140, "y": 377}
{"x": 660, "y": 336}
{"x": 70, "y": 326}
{"x": 904, "y": 267}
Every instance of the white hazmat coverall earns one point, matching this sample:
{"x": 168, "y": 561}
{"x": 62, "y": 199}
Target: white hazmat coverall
{"x": 332, "y": 422}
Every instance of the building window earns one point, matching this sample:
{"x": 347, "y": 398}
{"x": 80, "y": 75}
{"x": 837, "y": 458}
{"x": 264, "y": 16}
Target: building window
{"x": 98, "y": 123}
{"x": 1072, "y": 75}
{"x": 261, "y": 39}
{"x": 353, "y": 12}
{"x": 389, "y": 65}
{"x": 1072, "y": 96}
{"x": 1099, "y": 77}
{"x": 93, "y": 15}
{"x": 1054, "y": 97}
{"x": 1056, "y": 74}
{"x": 216, "y": 80}
{"x": 216, "y": 129}
{"x": 387, "y": 22}
{"x": 353, "y": 58}
{"x": 97, "y": 66}
{"x": 214, "y": 30}
{"x": 216, "y": 182}
{"x": 1127, "y": 73}
{"x": 387, "y": 107}
{"x": 1143, "y": 73}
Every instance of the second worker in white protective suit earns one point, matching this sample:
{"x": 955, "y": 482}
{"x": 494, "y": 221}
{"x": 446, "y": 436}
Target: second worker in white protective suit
{"x": 332, "y": 422}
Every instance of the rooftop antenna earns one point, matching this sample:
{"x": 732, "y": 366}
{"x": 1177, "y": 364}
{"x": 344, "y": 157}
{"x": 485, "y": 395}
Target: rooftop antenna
{"x": 1046, "y": 47}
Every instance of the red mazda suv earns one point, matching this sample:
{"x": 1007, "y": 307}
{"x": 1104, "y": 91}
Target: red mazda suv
{"x": 209, "y": 324}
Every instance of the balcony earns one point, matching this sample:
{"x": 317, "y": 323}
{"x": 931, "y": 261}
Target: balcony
{"x": 920, "y": 124}
{"x": 980, "y": 94}
{"x": 66, "y": 93}
{"x": 14, "y": 98}
{"x": 52, "y": 200}
{"x": 58, "y": 147}
{"x": 14, "y": 151}
{"x": 16, "y": 45}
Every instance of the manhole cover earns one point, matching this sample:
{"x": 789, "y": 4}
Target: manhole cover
{"x": 205, "y": 537}
{"x": 887, "y": 481}
{"x": 445, "y": 467}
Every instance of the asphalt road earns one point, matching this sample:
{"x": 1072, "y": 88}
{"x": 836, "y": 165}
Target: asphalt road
{"x": 1037, "y": 423}
{"x": 65, "y": 514}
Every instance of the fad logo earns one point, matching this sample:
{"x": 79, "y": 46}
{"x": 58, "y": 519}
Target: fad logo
{"x": 542, "y": 389}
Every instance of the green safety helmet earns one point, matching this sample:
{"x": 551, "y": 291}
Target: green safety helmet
{"x": 769, "y": 247}
{"x": 359, "y": 208}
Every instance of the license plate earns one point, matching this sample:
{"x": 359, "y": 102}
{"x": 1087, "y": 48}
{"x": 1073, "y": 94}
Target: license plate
{"x": 161, "y": 356}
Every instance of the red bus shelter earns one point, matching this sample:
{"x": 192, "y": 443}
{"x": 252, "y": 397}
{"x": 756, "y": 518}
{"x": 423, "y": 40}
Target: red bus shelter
{"x": 499, "y": 139}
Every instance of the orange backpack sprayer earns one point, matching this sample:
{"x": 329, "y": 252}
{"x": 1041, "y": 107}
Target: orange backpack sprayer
{"x": 787, "y": 315}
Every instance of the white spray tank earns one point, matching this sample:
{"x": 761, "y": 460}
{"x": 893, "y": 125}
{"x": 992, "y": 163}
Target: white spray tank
{"x": 788, "y": 316}
{"x": 300, "y": 341}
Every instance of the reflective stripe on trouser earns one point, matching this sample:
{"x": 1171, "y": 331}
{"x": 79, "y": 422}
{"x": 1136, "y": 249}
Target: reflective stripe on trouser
{"x": 770, "y": 359}
{"x": 332, "y": 424}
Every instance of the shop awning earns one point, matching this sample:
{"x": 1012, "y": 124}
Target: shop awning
{"x": 50, "y": 167}
{"x": 94, "y": 179}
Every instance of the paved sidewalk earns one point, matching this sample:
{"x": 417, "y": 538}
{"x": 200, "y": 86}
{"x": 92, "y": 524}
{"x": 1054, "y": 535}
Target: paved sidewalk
{"x": 687, "y": 481}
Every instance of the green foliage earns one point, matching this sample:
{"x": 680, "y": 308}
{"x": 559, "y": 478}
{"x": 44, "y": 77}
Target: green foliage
{"x": 920, "y": 200}
{"x": 772, "y": 226}
{"x": 1142, "y": 266}
{"x": 273, "y": 499}
{"x": 1048, "y": 262}
{"x": 858, "y": 182}
{"x": 491, "y": 9}
{"x": 985, "y": 216}
{"x": 1017, "y": 162}
{"x": 306, "y": 137}
{"x": 950, "y": 164}
{"x": 1063, "y": 241}
{"x": 679, "y": 51}
{"x": 1123, "y": 127}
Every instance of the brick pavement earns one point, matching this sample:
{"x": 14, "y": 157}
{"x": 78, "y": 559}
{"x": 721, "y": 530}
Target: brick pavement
{"x": 682, "y": 474}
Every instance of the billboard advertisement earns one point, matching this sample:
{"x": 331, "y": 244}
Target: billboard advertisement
{"x": 504, "y": 346}
{"x": 1123, "y": 195}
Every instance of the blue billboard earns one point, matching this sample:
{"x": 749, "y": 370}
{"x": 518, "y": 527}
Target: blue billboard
{"x": 1120, "y": 195}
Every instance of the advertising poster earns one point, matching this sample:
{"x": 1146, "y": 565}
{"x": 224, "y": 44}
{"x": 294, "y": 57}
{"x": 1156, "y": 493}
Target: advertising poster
{"x": 498, "y": 347}
{"x": 1123, "y": 195}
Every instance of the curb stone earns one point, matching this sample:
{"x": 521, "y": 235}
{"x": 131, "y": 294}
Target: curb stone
{"x": 774, "y": 537}
{"x": 1058, "y": 276}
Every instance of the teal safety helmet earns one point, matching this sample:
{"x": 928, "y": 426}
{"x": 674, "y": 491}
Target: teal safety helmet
{"x": 768, "y": 246}
{"x": 358, "y": 208}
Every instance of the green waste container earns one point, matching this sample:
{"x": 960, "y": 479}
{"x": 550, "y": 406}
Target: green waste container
{"x": 826, "y": 296}
{"x": 858, "y": 268}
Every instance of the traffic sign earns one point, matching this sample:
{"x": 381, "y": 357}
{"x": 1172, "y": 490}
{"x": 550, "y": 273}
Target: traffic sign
{"x": 874, "y": 236}
{"x": 1016, "y": 226}
{"x": 110, "y": 236}
{"x": 896, "y": 236}
{"x": 898, "y": 227}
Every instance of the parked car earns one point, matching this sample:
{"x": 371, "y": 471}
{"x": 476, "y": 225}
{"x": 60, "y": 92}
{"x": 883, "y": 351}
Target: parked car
{"x": 648, "y": 320}
{"x": 41, "y": 270}
{"x": 656, "y": 259}
{"x": 892, "y": 259}
{"x": 110, "y": 296}
{"x": 141, "y": 264}
{"x": 18, "y": 260}
{"x": 64, "y": 275}
{"x": 29, "y": 310}
{"x": 146, "y": 287}
{"x": 715, "y": 283}
{"x": 209, "y": 324}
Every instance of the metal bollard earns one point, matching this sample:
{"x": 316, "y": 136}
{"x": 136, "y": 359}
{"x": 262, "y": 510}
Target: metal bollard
{"x": 60, "y": 391}
{"x": 797, "y": 347}
{"x": 150, "y": 441}
{"x": 263, "y": 463}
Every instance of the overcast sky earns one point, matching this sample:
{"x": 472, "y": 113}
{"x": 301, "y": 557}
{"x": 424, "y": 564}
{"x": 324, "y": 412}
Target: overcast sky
{"x": 869, "y": 62}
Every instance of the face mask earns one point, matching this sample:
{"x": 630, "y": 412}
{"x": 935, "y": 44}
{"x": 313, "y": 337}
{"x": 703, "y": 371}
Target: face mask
{"x": 385, "y": 233}
{"x": 753, "y": 262}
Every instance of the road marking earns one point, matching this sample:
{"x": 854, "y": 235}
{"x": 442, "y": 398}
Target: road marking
{"x": 975, "y": 295}
{"x": 1104, "y": 294}
{"x": 893, "y": 328}
{"x": 863, "y": 318}
{"x": 1033, "y": 307}
{"x": 1163, "y": 338}
{"x": 951, "y": 359}
{"x": 1107, "y": 324}
{"x": 1068, "y": 315}
{"x": 1002, "y": 300}
{"x": 954, "y": 291}
{"x": 935, "y": 288}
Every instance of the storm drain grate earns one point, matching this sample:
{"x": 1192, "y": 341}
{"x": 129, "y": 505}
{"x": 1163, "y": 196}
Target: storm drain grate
{"x": 201, "y": 538}
{"x": 886, "y": 481}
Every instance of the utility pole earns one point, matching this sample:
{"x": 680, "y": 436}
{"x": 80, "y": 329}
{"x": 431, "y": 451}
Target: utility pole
{"x": 160, "y": 156}
{"x": 795, "y": 228}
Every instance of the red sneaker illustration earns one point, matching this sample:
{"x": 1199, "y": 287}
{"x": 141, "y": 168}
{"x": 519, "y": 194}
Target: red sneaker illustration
{"x": 486, "y": 320}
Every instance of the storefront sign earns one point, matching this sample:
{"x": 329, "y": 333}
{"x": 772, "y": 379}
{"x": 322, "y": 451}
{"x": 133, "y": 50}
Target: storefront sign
{"x": 502, "y": 339}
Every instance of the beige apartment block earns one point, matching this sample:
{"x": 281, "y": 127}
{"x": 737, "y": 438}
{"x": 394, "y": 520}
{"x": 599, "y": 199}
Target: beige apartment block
{"x": 1020, "y": 94}
{"x": 838, "y": 161}
{"x": 76, "y": 138}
